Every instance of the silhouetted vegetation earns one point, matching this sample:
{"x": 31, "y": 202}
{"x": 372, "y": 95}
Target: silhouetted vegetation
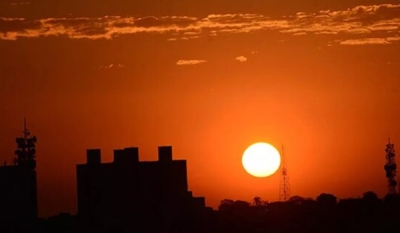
{"x": 324, "y": 214}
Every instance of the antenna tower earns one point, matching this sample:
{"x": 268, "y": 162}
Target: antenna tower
{"x": 284, "y": 189}
{"x": 26, "y": 150}
{"x": 390, "y": 168}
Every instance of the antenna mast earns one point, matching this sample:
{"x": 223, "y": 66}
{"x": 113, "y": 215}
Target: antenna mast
{"x": 391, "y": 168}
{"x": 284, "y": 189}
{"x": 26, "y": 149}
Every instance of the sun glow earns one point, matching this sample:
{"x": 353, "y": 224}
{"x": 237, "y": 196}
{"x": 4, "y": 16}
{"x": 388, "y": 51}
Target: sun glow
{"x": 261, "y": 159}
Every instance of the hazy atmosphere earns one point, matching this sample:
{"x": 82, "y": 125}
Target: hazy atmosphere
{"x": 208, "y": 78}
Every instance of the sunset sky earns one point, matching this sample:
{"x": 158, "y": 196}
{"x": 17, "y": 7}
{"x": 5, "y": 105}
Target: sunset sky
{"x": 209, "y": 78}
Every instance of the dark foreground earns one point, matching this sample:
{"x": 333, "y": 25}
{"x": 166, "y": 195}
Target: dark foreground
{"x": 325, "y": 214}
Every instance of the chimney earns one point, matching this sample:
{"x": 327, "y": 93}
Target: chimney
{"x": 93, "y": 156}
{"x": 164, "y": 153}
{"x": 119, "y": 156}
{"x": 132, "y": 154}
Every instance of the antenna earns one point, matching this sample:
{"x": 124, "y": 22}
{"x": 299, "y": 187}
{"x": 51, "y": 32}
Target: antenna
{"x": 391, "y": 168}
{"x": 26, "y": 131}
{"x": 26, "y": 149}
{"x": 284, "y": 189}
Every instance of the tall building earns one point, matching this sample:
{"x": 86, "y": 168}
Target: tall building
{"x": 18, "y": 189}
{"x": 147, "y": 196}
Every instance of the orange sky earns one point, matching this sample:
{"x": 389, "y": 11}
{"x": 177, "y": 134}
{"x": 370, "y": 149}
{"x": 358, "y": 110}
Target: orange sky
{"x": 208, "y": 79}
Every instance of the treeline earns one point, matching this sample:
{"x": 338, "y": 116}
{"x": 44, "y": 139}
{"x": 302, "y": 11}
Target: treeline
{"x": 324, "y": 214}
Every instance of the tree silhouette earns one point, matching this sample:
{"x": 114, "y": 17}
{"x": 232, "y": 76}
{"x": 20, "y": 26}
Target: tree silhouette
{"x": 297, "y": 200}
{"x": 327, "y": 200}
{"x": 225, "y": 205}
{"x": 370, "y": 196}
{"x": 258, "y": 201}
{"x": 371, "y": 203}
{"x": 240, "y": 205}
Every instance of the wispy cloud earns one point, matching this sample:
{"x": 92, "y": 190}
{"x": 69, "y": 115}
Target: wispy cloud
{"x": 241, "y": 58}
{"x": 190, "y": 62}
{"x": 374, "y": 21}
{"x": 21, "y": 3}
{"x": 112, "y": 66}
{"x": 366, "y": 41}
{"x": 392, "y": 39}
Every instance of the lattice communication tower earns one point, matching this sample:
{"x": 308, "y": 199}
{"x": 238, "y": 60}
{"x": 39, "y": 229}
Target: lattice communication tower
{"x": 284, "y": 189}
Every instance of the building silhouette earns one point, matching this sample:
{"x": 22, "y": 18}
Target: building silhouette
{"x": 147, "y": 196}
{"x": 18, "y": 188}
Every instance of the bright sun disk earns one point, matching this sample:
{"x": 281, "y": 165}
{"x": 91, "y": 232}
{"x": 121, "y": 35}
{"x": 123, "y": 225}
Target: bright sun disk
{"x": 261, "y": 159}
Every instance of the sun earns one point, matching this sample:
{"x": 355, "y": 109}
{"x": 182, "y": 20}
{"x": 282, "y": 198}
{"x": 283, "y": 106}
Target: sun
{"x": 261, "y": 159}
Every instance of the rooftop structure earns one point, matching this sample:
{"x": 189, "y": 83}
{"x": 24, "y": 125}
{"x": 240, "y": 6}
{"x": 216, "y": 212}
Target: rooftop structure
{"x": 18, "y": 194}
{"x": 149, "y": 195}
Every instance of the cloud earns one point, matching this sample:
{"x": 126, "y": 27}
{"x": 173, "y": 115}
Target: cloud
{"x": 112, "y": 66}
{"x": 20, "y": 3}
{"x": 166, "y": 21}
{"x": 190, "y": 62}
{"x": 366, "y": 41}
{"x": 18, "y": 25}
{"x": 395, "y": 38}
{"x": 373, "y": 21}
{"x": 241, "y": 58}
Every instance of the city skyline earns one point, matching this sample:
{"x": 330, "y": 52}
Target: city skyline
{"x": 210, "y": 79}
{"x": 118, "y": 156}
